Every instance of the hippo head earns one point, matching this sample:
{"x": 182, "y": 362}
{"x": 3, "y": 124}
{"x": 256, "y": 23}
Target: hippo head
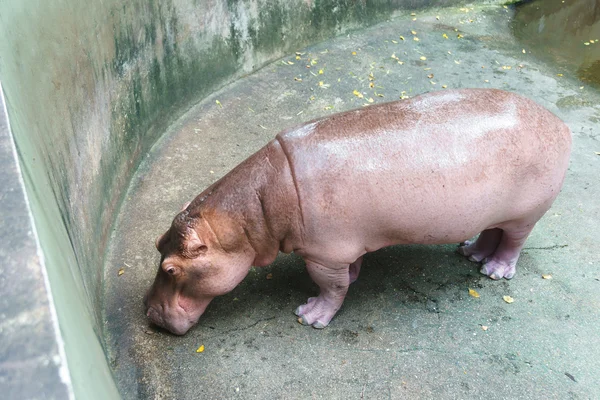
{"x": 199, "y": 260}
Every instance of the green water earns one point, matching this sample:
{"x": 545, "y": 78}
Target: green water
{"x": 566, "y": 32}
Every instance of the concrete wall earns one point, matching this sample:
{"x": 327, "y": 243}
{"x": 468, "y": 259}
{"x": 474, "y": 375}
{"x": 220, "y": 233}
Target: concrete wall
{"x": 90, "y": 86}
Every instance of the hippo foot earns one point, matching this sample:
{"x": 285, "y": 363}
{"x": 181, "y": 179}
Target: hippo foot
{"x": 485, "y": 245}
{"x": 496, "y": 269}
{"x": 468, "y": 250}
{"x": 317, "y": 312}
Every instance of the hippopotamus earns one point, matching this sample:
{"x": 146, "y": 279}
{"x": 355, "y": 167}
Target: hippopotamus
{"x": 438, "y": 168}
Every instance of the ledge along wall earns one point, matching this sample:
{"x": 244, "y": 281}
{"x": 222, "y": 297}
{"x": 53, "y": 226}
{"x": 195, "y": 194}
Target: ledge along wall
{"x": 89, "y": 87}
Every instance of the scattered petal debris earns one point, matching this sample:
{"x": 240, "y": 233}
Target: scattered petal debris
{"x": 484, "y": 327}
{"x": 559, "y": 74}
{"x": 423, "y": 58}
{"x": 459, "y": 36}
{"x": 401, "y": 37}
{"x": 358, "y": 94}
{"x": 506, "y": 67}
{"x": 121, "y": 271}
{"x": 445, "y": 36}
{"x": 547, "y": 276}
{"x": 413, "y": 32}
{"x": 444, "y": 86}
{"x": 473, "y": 293}
{"x": 219, "y": 103}
{"x": 298, "y": 79}
{"x": 430, "y": 76}
{"x": 597, "y": 153}
{"x": 508, "y": 299}
{"x": 353, "y": 53}
{"x": 524, "y": 51}
{"x": 200, "y": 349}
{"x": 269, "y": 276}
{"x": 416, "y": 39}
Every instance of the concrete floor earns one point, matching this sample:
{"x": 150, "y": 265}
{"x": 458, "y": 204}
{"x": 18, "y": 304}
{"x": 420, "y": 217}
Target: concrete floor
{"x": 408, "y": 327}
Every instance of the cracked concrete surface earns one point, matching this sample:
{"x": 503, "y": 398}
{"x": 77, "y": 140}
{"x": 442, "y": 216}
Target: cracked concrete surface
{"x": 408, "y": 327}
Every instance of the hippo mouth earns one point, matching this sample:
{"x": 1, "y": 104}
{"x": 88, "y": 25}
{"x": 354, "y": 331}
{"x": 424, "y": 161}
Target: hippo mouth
{"x": 177, "y": 319}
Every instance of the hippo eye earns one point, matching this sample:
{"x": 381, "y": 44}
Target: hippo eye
{"x": 171, "y": 270}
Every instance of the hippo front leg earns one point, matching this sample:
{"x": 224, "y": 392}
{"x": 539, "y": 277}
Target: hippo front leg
{"x": 333, "y": 280}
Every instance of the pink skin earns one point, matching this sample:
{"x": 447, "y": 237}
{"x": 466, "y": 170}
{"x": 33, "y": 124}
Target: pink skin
{"x": 438, "y": 168}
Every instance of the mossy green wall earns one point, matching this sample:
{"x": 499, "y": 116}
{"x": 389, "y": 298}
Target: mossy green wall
{"x": 91, "y": 85}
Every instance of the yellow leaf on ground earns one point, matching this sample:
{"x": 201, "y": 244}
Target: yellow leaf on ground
{"x": 444, "y": 86}
{"x": 445, "y": 36}
{"x": 219, "y": 103}
{"x": 423, "y": 58}
{"x": 547, "y": 276}
{"x": 358, "y": 94}
{"x": 413, "y": 32}
{"x": 121, "y": 271}
{"x": 353, "y": 53}
{"x": 321, "y": 72}
{"x": 200, "y": 349}
{"x": 508, "y": 299}
{"x": 473, "y": 293}
{"x": 401, "y": 37}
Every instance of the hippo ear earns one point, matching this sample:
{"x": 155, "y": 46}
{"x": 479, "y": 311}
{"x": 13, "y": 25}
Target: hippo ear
{"x": 185, "y": 206}
{"x": 161, "y": 241}
{"x": 192, "y": 244}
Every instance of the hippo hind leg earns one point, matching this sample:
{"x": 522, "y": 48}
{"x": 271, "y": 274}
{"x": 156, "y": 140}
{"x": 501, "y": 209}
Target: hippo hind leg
{"x": 502, "y": 263}
{"x": 484, "y": 246}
